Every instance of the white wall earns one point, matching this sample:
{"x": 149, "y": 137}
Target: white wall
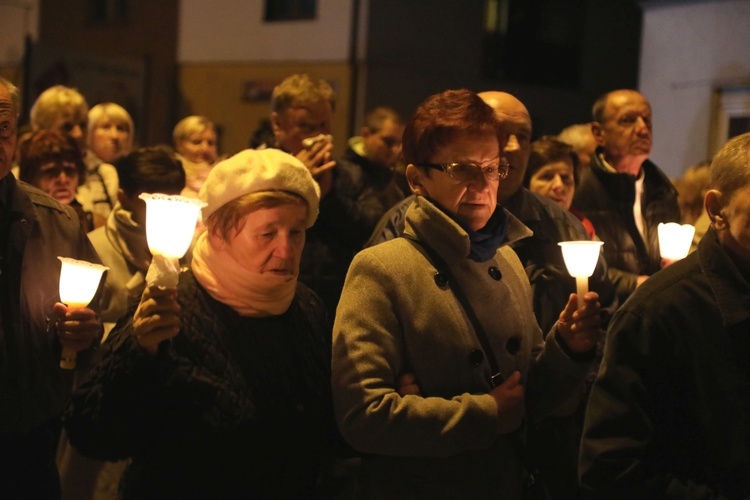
{"x": 223, "y": 31}
{"x": 689, "y": 49}
{"x": 17, "y": 19}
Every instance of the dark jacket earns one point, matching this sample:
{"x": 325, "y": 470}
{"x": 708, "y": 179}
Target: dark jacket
{"x": 367, "y": 190}
{"x": 361, "y": 194}
{"x": 669, "y": 413}
{"x": 38, "y": 230}
{"x": 231, "y": 407}
{"x": 541, "y": 256}
{"x": 607, "y": 198}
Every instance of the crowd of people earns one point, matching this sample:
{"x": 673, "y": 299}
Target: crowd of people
{"x": 397, "y": 322}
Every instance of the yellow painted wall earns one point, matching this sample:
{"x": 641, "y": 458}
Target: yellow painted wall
{"x": 216, "y": 91}
{"x": 13, "y": 74}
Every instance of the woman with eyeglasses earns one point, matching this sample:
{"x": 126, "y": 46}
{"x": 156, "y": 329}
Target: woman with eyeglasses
{"x": 437, "y": 356}
{"x": 51, "y": 160}
{"x": 65, "y": 109}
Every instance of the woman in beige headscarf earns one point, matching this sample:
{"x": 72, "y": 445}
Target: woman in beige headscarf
{"x": 220, "y": 388}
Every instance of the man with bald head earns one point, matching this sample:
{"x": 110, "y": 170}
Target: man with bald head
{"x": 551, "y": 224}
{"x": 624, "y": 194}
{"x": 553, "y": 443}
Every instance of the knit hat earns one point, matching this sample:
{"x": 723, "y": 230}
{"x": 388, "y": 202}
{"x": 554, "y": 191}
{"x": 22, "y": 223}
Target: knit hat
{"x": 254, "y": 170}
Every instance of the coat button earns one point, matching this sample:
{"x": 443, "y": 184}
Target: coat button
{"x": 495, "y": 273}
{"x": 513, "y": 345}
{"x": 476, "y": 357}
{"x": 441, "y": 280}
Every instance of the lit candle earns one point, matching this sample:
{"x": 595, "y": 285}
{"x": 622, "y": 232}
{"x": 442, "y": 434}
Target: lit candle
{"x": 675, "y": 240}
{"x": 580, "y": 258}
{"x": 79, "y": 281}
{"x": 170, "y": 225}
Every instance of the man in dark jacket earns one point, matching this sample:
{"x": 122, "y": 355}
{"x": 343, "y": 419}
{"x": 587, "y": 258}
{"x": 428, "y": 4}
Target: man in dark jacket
{"x": 624, "y": 194}
{"x": 365, "y": 180}
{"x": 669, "y": 413}
{"x": 34, "y": 326}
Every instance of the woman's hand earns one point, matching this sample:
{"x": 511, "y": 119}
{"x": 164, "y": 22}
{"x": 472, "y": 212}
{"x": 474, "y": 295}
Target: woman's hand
{"x": 406, "y": 384}
{"x": 509, "y": 397}
{"x": 77, "y": 329}
{"x": 581, "y": 329}
{"x": 157, "y": 318}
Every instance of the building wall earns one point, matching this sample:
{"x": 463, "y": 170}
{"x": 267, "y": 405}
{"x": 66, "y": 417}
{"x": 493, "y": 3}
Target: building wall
{"x": 689, "y": 51}
{"x": 217, "y": 91}
{"x": 17, "y": 21}
{"x": 418, "y": 48}
{"x": 225, "y": 45}
{"x": 149, "y": 34}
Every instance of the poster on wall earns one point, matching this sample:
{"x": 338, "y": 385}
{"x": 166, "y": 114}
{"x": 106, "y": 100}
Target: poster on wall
{"x": 99, "y": 78}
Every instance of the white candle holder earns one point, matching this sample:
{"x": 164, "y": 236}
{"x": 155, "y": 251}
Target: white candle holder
{"x": 170, "y": 226}
{"x": 580, "y": 258}
{"x": 79, "y": 281}
{"x": 675, "y": 240}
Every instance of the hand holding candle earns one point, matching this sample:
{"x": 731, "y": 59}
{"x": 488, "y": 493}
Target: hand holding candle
{"x": 170, "y": 225}
{"x": 79, "y": 281}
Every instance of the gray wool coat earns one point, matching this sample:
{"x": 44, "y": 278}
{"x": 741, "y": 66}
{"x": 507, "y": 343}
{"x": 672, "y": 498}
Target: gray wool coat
{"x": 393, "y": 318}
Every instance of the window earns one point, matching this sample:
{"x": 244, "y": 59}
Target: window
{"x": 108, "y": 11}
{"x": 731, "y": 114}
{"x": 290, "y": 10}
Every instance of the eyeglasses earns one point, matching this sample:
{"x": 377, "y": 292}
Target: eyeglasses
{"x": 465, "y": 172}
{"x": 53, "y": 170}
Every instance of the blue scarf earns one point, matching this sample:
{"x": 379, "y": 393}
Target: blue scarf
{"x": 486, "y": 241}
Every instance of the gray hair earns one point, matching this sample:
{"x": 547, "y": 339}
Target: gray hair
{"x": 15, "y": 95}
{"x": 730, "y": 168}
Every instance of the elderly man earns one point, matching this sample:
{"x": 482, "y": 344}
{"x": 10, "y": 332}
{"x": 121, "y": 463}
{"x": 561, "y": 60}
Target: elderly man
{"x": 301, "y": 118}
{"x": 669, "y": 413}
{"x": 302, "y": 110}
{"x": 554, "y": 442}
{"x": 34, "y": 326}
{"x": 624, "y": 194}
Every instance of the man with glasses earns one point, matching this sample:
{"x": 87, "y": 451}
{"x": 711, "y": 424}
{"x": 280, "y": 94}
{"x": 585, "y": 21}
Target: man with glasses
{"x": 34, "y": 230}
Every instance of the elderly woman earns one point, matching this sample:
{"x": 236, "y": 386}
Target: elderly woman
{"x": 552, "y": 172}
{"x": 110, "y": 132}
{"x": 51, "y": 161}
{"x": 437, "y": 356}
{"x": 65, "y": 109}
{"x": 221, "y": 388}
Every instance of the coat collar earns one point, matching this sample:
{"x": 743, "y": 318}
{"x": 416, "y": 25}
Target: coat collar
{"x": 729, "y": 286}
{"x": 428, "y": 223}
